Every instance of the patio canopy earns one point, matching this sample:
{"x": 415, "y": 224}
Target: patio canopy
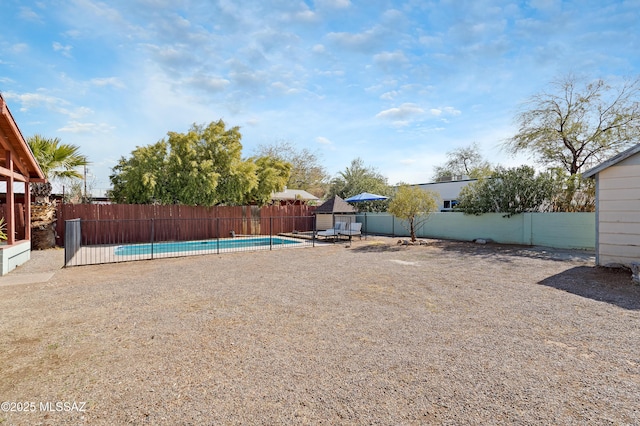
{"x": 366, "y": 196}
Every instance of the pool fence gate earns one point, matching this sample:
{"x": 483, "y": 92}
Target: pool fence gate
{"x": 89, "y": 242}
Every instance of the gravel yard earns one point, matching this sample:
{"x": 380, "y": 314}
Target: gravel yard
{"x": 375, "y": 333}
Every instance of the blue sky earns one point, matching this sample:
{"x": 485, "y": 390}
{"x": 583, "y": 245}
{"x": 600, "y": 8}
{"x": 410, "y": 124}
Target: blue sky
{"x": 396, "y": 83}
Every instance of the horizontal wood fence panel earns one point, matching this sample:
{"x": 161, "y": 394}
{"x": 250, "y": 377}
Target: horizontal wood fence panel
{"x": 240, "y": 220}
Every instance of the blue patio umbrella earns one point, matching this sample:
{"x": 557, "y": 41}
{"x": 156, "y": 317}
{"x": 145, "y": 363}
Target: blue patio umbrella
{"x": 366, "y": 196}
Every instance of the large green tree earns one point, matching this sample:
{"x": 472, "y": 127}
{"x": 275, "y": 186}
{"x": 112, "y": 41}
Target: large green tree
{"x": 142, "y": 178}
{"x": 464, "y": 161}
{"x": 509, "y": 191}
{"x": 571, "y": 193}
{"x": 306, "y": 171}
{"x": 414, "y": 205}
{"x": 203, "y": 166}
{"x": 358, "y": 178}
{"x": 577, "y": 125}
{"x": 272, "y": 174}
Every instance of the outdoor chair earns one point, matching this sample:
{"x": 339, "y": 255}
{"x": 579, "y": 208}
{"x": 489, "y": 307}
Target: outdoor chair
{"x": 353, "y": 228}
{"x": 333, "y": 232}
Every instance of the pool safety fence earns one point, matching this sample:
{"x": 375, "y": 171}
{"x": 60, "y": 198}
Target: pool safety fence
{"x": 90, "y": 242}
{"x": 117, "y": 212}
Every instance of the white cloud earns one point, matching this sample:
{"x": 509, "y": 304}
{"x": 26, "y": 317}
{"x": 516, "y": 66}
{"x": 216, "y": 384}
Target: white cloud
{"x": 305, "y": 16}
{"x": 365, "y": 41}
{"x": 546, "y": 5}
{"x": 430, "y": 41}
{"x": 333, "y": 4}
{"x": 108, "y": 81}
{"x": 28, "y": 14}
{"x": 77, "y": 127}
{"x": 386, "y": 58}
{"x": 19, "y": 48}
{"x": 282, "y": 87}
{"x": 35, "y": 100}
{"x": 65, "y": 50}
{"x": 29, "y": 101}
{"x": 211, "y": 84}
{"x": 78, "y": 112}
{"x": 389, "y": 96}
{"x": 405, "y": 110}
{"x": 323, "y": 141}
{"x": 72, "y": 33}
{"x": 445, "y": 111}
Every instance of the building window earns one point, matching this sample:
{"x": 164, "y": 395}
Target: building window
{"x": 449, "y": 205}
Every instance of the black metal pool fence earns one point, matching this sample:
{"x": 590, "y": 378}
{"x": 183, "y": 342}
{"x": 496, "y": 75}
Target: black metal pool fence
{"x": 88, "y": 242}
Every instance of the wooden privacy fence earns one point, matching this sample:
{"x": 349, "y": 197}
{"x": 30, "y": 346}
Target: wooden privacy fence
{"x": 132, "y": 223}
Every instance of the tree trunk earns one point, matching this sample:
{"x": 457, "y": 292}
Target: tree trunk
{"x": 44, "y": 237}
{"x": 43, "y": 226}
{"x": 413, "y": 230}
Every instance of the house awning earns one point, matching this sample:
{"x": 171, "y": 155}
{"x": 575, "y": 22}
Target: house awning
{"x": 14, "y": 146}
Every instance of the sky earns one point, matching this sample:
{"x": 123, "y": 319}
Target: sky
{"x": 398, "y": 84}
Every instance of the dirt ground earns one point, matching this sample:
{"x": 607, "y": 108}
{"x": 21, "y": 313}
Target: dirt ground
{"x": 372, "y": 333}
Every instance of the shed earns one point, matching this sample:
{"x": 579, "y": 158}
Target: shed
{"x": 18, "y": 167}
{"x": 293, "y": 196}
{"x": 332, "y": 210}
{"x": 618, "y": 209}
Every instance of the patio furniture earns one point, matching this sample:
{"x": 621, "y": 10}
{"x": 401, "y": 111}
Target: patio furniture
{"x": 333, "y": 232}
{"x": 353, "y": 228}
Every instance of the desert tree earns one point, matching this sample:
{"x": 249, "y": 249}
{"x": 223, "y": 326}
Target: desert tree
{"x": 357, "y": 178}
{"x": 306, "y": 171}
{"x": 466, "y": 161}
{"x": 414, "y": 205}
{"x": 578, "y": 124}
{"x": 509, "y": 191}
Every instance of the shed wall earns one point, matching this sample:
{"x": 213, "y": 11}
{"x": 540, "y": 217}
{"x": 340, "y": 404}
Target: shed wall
{"x": 326, "y": 221}
{"x": 619, "y": 213}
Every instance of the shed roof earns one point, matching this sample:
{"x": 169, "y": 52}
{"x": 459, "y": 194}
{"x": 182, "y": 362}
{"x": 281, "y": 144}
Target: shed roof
{"x": 612, "y": 161}
{"x": 11, "y": 140}
{"x": 335, "y": 205}
{"x": 294, "y": 194}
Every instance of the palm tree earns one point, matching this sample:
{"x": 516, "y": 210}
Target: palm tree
{"x": 57, "y": 161}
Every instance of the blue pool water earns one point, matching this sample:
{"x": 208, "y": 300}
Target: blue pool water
{"x": 210, "y": 245}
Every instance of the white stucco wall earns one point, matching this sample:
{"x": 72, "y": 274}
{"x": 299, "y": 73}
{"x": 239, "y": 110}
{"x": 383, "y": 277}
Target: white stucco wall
{"x": 618, "y": 197}
{"x": 13, "y": 256}
{"x": 446, "y": 190}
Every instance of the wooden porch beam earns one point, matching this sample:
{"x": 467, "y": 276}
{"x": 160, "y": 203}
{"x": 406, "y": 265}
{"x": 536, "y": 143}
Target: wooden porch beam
{"x": 27, "y": 212}
{"x": 10, "y": 173}
{"x": 10, "y": 211}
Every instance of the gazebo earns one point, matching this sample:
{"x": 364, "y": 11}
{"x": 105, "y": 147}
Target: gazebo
{"x": 18, "y": 167}
{"x": 326, "y": 213}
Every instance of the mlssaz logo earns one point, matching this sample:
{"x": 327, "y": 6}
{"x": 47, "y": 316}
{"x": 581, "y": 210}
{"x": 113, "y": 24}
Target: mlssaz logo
{"x": 62, "y": 406}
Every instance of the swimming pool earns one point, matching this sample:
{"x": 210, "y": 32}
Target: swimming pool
{"x": 205, "y": 245}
